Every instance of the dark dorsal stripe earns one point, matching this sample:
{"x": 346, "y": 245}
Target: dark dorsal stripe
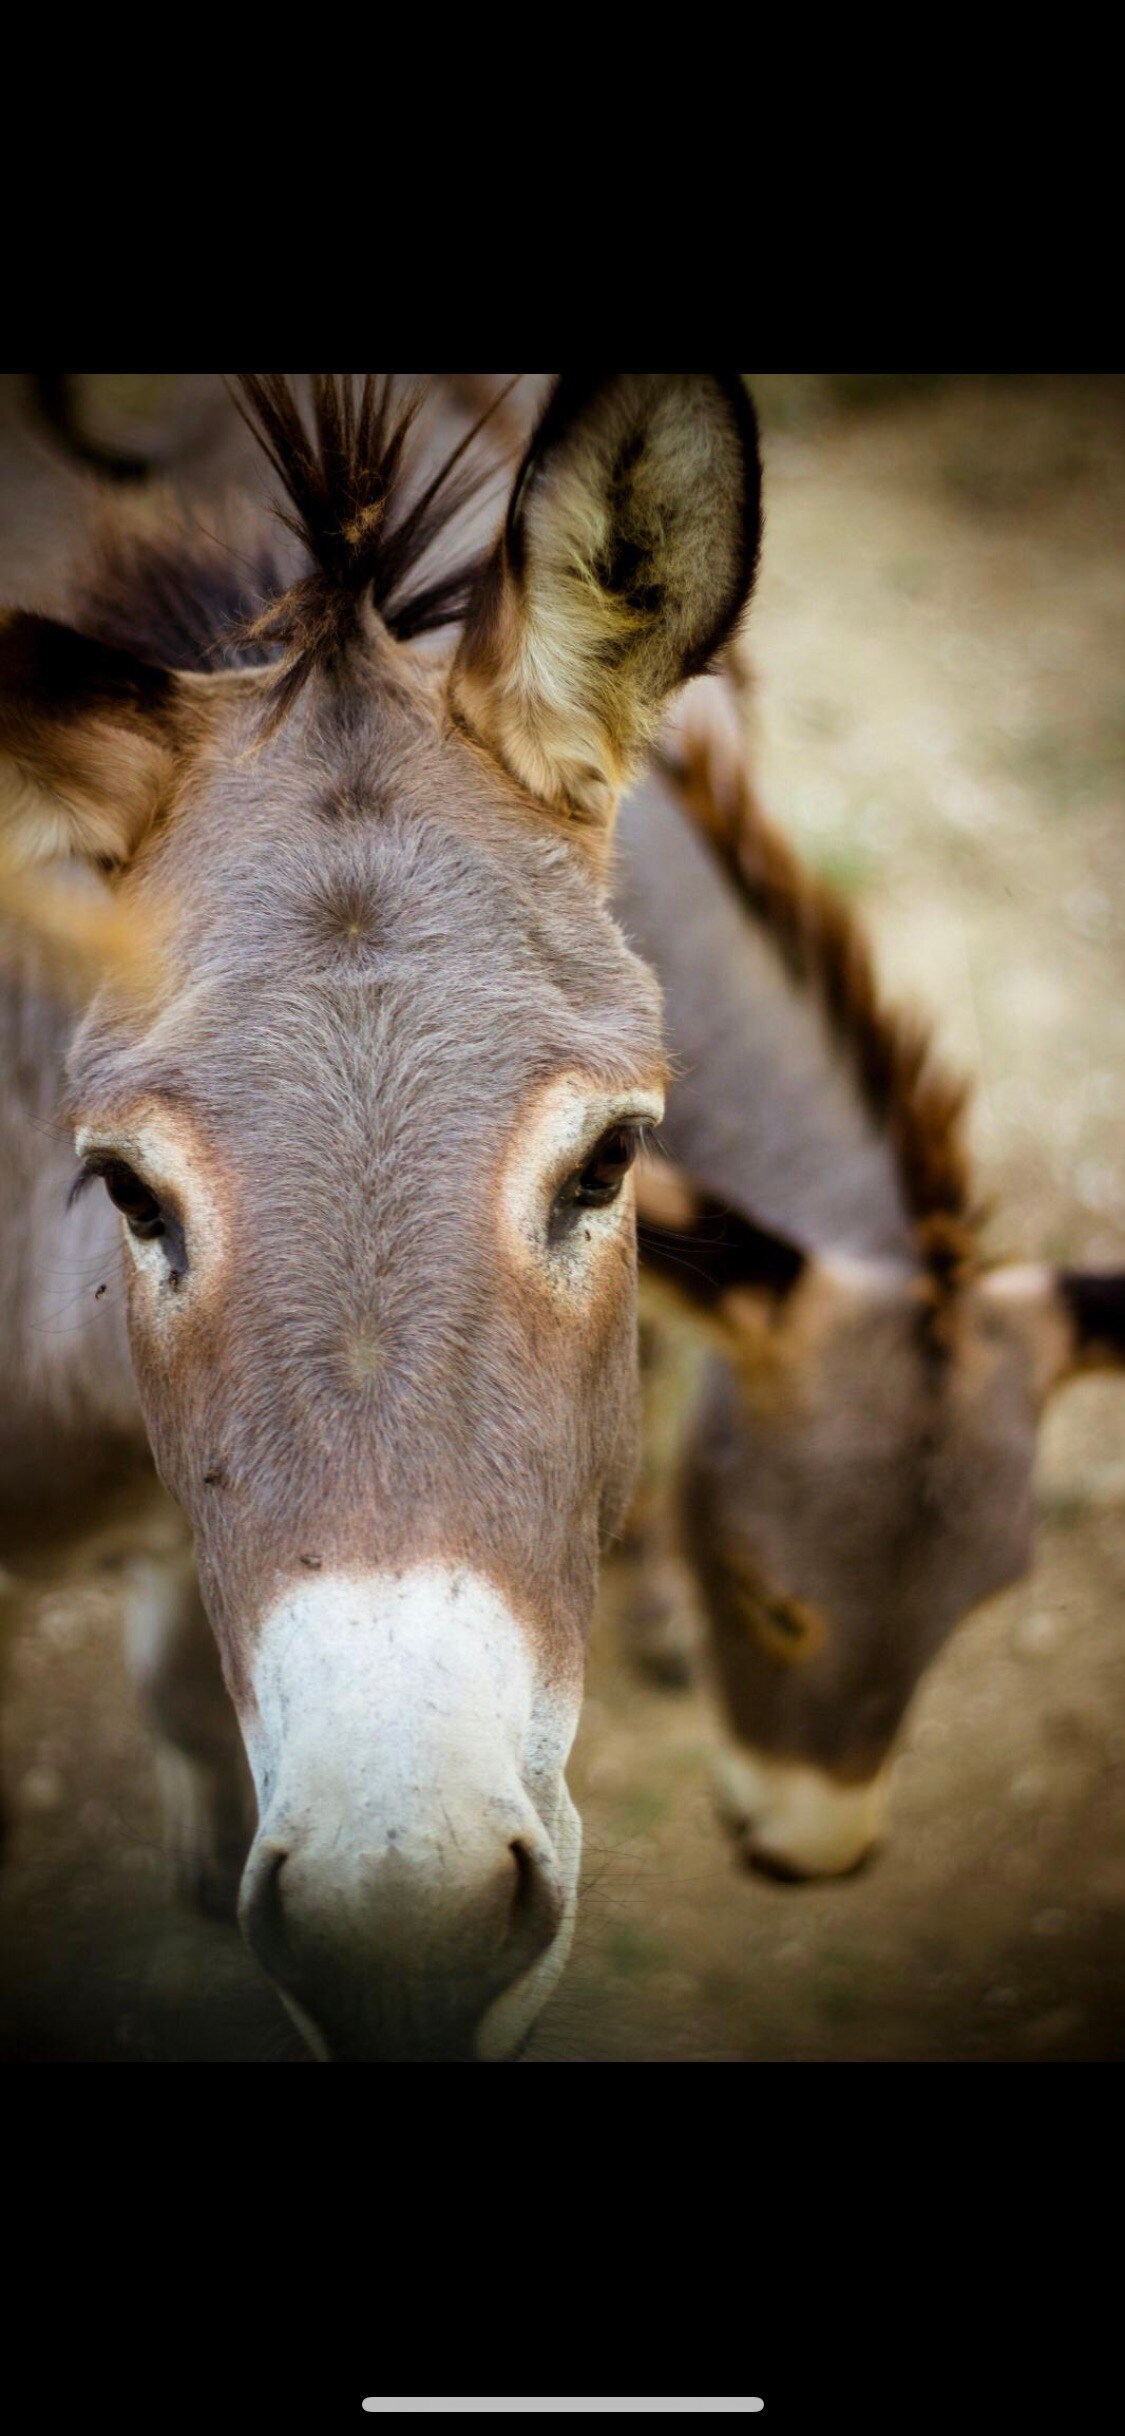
{"x": 1097, "y": 1307}
{"x": 916, "y": 1103}
{"x": 717, "y": 1251}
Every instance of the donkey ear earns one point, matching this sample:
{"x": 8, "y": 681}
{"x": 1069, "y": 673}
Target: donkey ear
{"x": 1072, "y": 1320}
{"x": 627, "y": 556}
{"x": 85, "y": 745}
{"x": 707, "y": 1255}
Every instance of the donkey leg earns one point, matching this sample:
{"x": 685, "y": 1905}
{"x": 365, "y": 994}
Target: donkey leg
{"x": 657, "y": 1614}
{"x": 206, "y": 1788}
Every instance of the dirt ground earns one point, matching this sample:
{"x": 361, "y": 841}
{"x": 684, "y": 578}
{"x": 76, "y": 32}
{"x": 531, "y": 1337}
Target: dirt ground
{"x": 940, "y": 636}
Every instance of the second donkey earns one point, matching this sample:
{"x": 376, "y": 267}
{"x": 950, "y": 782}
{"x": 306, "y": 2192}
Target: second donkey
{"x": 858, "y": 1475}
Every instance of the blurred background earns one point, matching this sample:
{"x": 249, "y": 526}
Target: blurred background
{"x": 939, "y": 636}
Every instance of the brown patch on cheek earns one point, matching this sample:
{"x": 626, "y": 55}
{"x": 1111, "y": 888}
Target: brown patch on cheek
{"x": 788, "y": 1629}
{"x": 574, "y": 1336}
{"x": 176, "y": 1365}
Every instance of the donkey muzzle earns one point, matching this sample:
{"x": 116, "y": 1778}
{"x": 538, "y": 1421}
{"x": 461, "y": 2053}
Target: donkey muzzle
{"x": 411, "y": 1886}
{"x": 793, "y": 1820}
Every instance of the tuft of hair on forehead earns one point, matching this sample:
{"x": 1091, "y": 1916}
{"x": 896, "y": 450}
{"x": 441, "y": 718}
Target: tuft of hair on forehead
{"x": 372, "y": 536}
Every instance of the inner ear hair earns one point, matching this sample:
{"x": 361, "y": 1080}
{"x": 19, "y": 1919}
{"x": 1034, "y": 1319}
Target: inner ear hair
{"x": 70, "y": 941}
{"x": 704, "y": 1250}
{"x": 627, "y": 556}
{"x": 85, "y": 744}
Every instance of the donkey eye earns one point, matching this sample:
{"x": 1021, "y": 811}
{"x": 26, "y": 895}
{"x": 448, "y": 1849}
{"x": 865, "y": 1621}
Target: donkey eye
{"x": 598, "y": 1182}
{"x": 601, "y": 1179}
{"x": 140, "y": 1208}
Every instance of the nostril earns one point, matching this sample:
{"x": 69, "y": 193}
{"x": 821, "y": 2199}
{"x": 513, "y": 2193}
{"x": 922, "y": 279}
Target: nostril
{"x": 775, "y": 1865}
{"x": 262, "y": 1908}
{"x": 798, "y": 1873}
{"x": 537, "y": 1904}
{"x": 523, "y": 1900}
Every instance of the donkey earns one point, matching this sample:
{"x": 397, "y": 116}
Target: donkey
{"x": 858, "y": 1475}
{"x": 349, "y": 1252}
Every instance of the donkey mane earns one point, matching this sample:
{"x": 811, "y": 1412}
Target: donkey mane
{"x": 916, "y": 1101}
{"x": 162, "y": 586}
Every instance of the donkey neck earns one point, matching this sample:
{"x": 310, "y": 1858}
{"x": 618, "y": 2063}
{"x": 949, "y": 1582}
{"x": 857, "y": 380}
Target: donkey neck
{"x": 766, "y": 1110}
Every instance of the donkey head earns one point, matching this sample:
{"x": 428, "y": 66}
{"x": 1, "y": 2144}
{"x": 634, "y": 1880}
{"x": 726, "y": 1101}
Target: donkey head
{"x": 369, "y": 1129}
{"x": 858, "y": 1479}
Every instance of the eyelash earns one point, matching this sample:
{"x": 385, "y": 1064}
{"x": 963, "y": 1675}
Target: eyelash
{"x": 617, "y": 1149}
{"x": 147, "y": 1220}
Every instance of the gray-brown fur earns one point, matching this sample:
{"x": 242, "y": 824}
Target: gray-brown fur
{"x": 858, "y": 1477}
{"x": 375, "y": 948}
{"x": 358, "y": 907}
{"x": 766, "y": 1113}
{"x": 862, "y": 1458}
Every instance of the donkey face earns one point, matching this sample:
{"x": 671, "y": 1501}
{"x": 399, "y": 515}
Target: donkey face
{"x": 369, "y": 1130}
{"x": 858, "y": 1480}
